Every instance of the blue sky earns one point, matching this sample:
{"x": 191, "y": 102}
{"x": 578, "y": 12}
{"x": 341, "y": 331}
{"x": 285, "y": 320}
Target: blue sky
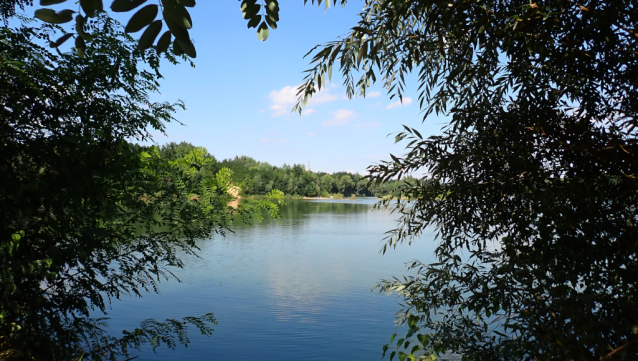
{"x": 240, "y": 93}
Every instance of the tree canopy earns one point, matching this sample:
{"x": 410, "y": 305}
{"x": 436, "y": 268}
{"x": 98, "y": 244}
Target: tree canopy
{"x": 86, "y": 217}
{"x": 531, "y": 188}
{"x": 255, "y": 178}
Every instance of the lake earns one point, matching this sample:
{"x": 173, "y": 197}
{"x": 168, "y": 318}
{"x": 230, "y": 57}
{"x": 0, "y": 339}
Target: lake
{"x": 295, "y": 288}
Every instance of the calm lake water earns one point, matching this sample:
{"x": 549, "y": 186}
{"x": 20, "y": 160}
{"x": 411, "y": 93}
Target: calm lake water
{"x": 293, "y": 289}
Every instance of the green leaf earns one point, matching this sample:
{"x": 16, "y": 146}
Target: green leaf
{"x": 141, "y": 19}
{"x": 177, "y": 31}
{"x": 272, "y": 5}
{"x": 187, "y": 3}
{"x": 148, "y": 36}
{"x": 262, "y": 32}
{"x": 362, "y": 52}
{"x": 177, "y": 49}
{"x": 88, "y": 8}
{"x": 250, "y": 11}
{"x": 179, "y": 15}
{"x": 60, "y": 41}
{"x": 51, "y": 2}
{"x": 188, "y": 48}
{"x": 400, "y": 342}
{"x": 273, "y": 14}
{"x": 164, "y": 42}
{"x": 79, "y": 28}
{"x": 79, "y": 43}
{"x": 254, "y": 21}
{"x": 51, "y": 17}
{"x": 120, "y": 6}
{"x": 80, "y": 46}
{"x": 92, "y": 7}
{"x": 272, "y": 22}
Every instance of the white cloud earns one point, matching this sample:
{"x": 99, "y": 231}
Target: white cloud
{"x": 373, "y": 94}
{"x": 322, "y": 96}
{"x": 261, "y": 110}
{"x": 312, "y": 134}
{"x": 307, "y": 112}
{"x": 398, "y": 103}
{"x": 283, "y": 99}
{"x": 341, "y": 117}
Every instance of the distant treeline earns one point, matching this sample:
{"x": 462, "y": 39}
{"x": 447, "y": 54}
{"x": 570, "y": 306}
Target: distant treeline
{"x": 259, "y": 178}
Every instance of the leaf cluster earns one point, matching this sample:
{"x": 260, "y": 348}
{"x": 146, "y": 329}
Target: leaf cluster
{"x": 85, "y": 217}
{"x": 531, "y": 188}
{"x": 173, "y": 13}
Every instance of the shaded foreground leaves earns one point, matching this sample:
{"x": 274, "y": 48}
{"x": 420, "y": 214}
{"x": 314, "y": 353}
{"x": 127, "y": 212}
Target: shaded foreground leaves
{"x": 86, "y": 217}
{"x": 531, "y": 188}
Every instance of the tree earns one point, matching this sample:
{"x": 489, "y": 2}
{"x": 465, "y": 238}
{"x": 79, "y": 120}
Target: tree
{"x": 532, "y": 186}
{"x": 86, "y": 217}
{"x": 327, "y": 183}
{"x": 8, "y": 8}
{"x": 344, "y": 184}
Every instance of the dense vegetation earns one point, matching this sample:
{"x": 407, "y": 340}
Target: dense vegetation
{"x": 260, "y": 178}
{"x": 86, "y": 218}
{"x": 532, "y": 187}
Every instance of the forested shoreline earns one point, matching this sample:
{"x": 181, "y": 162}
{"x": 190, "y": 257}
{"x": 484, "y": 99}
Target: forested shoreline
{"x": 257, "y": 178}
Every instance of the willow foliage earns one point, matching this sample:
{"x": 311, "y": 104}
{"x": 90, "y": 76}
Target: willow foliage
{"x": 531, "y": 187}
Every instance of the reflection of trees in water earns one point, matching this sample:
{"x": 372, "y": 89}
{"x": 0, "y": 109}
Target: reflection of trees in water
{"x": 297, "y": 209}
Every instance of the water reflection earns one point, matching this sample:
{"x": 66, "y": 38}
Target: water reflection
{"x": 294, "y": 288}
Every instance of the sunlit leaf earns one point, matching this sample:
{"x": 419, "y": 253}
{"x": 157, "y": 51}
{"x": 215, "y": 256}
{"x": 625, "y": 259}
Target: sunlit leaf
{"x": 262, "y": 32}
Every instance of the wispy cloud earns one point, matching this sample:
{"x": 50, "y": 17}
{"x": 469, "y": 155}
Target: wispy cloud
{"x": 283, "y": 99}
{"x": 373, "y": 94}
{"x": 307, "y": 112}
{"x": 398, "y": 103}
{"x": 323, "y": 96}
{"x": 312, "y": 134}
{"x": 341, "y": 117}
